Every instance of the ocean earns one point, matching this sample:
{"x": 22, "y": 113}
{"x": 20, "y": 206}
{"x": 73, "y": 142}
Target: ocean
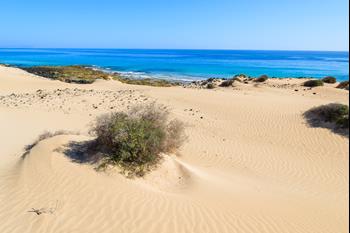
{"x": 189, "y": 64}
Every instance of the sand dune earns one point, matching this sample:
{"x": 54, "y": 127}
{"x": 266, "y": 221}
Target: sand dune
{"x": 251, "y": 163}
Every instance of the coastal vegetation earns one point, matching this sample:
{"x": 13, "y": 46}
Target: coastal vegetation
{"x": 69, "y": 74}
{"x": 262, "y": 78}
{"x": 344, "y": 85}
{"x": 211, "y": 86}
{"x": 329, "y": 79}
{"x": 227, "y": 83}
{"x": 87, "y": 75}
{"x": 333, "y": 115}
{"x": 313, "y": 83}
{"x": 135, "y": 140}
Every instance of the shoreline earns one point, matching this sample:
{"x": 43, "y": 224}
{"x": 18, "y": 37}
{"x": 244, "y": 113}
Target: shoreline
{"x": 176, "y": 82}
{"x": 192, "y": 64}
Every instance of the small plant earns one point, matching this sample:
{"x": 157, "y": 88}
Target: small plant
{"x": 135, "y": 140}
{"x": 329, "y": 79}
{"x": 313, "y": 83}
{"x": 334, "y": 113}
{"x": 344, "y": 85}
{"x": 262, "y": 78}
{"x": 227, "y": 83}
{"x": 210, "y": 86}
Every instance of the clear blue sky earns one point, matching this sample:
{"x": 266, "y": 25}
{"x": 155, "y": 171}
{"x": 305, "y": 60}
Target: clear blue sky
{"x": 197, "y": 24}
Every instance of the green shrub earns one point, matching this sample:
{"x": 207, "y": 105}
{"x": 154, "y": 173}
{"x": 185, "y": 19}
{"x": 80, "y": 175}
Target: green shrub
{"x": 344, "y": 85}
{"x": 227, "y": 83}
{"x": 262, "y": 78}
{"x": 329, "y": 79}
{"x": 210, "y": 86}
{"x": 335, "y": 113}
{"x": 136, "y": 139}
{"x": 313, "y": 83}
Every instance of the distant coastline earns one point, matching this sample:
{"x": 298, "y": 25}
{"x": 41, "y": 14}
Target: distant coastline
{"x": 189, "y": 65}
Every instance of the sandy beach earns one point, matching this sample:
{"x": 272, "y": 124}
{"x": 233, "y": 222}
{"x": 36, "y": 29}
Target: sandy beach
{"x": 251, "y": 163}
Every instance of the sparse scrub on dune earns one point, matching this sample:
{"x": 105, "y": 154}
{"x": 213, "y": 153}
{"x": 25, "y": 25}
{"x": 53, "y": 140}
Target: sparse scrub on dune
{"x": 136, "y": 139}
{"x": 261, "y": 79}
{"x": 335, "y": 115}
{"x": 313, "y": 83}
{"x": 211, "y": 86}
{"x": 344, "y": 85}
{"x": 329, "y": 79}
{"x": 227, "y": 83}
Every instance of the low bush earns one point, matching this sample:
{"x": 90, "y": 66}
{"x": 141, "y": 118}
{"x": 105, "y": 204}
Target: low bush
{"x": 313, "y": 83}
{"x": 334, "y": 113}
{"x": 135, "y": 140}
{"x": 227, "y": 83}
{"x": 262, "y": 78}
{"x": 210, "y": 86}
{"x": 344, "y": 85}
{"x": 329, "y": 79}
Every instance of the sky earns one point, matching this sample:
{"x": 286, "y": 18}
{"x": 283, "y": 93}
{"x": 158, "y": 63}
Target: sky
{"x": 176, "y": 24}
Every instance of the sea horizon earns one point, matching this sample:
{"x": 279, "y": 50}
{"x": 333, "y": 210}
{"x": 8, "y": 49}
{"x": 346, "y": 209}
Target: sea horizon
{"x": 188, "y": 64}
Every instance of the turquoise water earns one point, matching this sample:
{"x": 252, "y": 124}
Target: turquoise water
{"x": 189, "y": 64}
